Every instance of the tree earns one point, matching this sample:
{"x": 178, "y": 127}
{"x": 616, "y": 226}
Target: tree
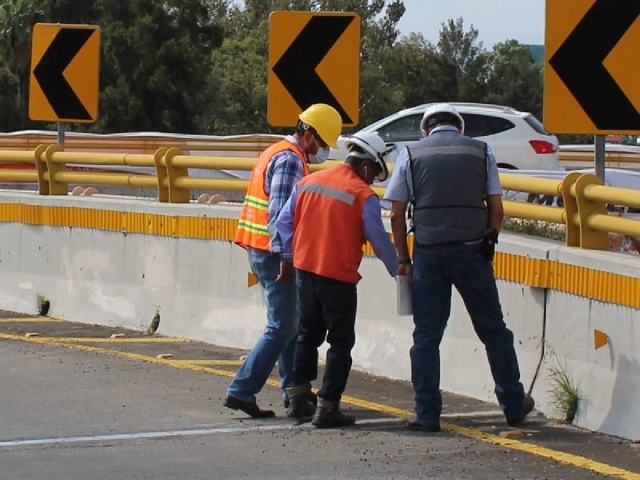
{"x": 17, "y": 18}
{"x": 10, "y": 106}
{"x": 239, "y": 79}
{"x": 514, "y": 78}
{"x": 410, "y": 66}
{"x": 155, "y": 59}
{"x": 461, "y": 63}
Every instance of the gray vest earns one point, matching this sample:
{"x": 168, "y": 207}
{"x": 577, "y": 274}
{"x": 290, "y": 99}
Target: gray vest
{"x": 449, "y": 174}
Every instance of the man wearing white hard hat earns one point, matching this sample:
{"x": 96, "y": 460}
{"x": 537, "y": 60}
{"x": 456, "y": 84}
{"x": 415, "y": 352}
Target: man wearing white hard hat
{"x": 452, "y": 184}
{"x": 328, "y": 218}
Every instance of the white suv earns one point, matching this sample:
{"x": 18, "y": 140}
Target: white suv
{"x": 518, "y": 139}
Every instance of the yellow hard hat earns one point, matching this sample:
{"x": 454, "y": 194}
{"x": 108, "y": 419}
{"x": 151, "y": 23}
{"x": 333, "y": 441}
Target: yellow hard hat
{"x": 325, "y": 120}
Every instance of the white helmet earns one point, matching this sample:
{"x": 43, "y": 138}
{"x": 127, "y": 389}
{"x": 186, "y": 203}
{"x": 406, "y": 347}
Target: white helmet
{"x": 374, "y": 147}
{"x": 441, "y": 112}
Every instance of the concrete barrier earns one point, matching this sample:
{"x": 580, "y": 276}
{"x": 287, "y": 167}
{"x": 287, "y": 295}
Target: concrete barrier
{"x": 118, "y": 262}
{"x": 607, "y": 376}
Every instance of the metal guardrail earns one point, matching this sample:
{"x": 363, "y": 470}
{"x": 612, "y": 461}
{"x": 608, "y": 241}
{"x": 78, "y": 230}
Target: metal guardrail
{"x": 622, "y": 157}
{"x": 583, "y": 212}
{"x": 149, "y": 142}
{"x": 139, "y": 143}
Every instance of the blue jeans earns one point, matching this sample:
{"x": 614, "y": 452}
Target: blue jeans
{"x": 277, "y": 343}
{"x": 327, "y": 309}
{"x": 436, "y": 269}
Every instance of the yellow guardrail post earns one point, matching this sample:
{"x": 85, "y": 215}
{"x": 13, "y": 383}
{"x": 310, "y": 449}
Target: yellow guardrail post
{"x": 55, "y": 187}
{"x": 161, "y": 174}
{"x": 589, "y": 237}
{"x": 41, "y": 167}
{"x": 572, "y": 224}
{"x": 176, "y": 195}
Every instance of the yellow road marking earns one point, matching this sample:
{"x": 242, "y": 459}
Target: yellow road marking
{"x": 31, "y": 320}
{"x": 566, "y": 458}
{"x": 210, "y": 362}
{"x": 116, "y": 340}
{"x": 562, "y": 457}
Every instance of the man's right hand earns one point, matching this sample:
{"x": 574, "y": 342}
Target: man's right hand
{"x": 405, "y": 269}
{"x": 489, "y": 244}
{"x": 286, "y": 272}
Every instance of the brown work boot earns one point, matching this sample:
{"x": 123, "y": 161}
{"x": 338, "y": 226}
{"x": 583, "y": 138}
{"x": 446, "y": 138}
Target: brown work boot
{"x": 527, "y": 407}
{"x": 313, "y": 398}
{"x": 300, "y": 407}
{"x": 328, "y": 415}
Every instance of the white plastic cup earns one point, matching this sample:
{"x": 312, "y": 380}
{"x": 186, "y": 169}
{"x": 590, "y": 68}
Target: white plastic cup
{"x": 403, "y": 284}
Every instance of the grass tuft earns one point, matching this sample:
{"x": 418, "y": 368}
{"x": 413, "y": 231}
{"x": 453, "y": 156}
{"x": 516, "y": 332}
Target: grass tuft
{"x": 565, "y": 394}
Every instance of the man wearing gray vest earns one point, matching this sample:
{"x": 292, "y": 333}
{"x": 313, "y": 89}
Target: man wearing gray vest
{"x": 453, "y": 186}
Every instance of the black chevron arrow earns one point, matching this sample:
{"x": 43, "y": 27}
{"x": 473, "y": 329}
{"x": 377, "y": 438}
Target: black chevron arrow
{"x": 296, "y": 69}
{"x": 579, "y": 63}
{"x": 64, "y": 47}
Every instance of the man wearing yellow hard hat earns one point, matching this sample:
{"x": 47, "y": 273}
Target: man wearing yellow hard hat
{"x": 271, "y": 182}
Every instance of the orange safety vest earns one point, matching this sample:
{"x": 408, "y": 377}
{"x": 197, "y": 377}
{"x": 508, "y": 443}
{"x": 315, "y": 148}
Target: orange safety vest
{"x": 328, "y": 233}
{"x": 253, "y": 228}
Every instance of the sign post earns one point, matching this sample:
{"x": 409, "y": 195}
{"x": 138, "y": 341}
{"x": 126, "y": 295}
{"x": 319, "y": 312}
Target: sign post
{"x": 61, "y": 130}
{"x": 591, "y": 69}
{"x": 599, "y": 156}
{"x": 65, "y": 68}
{"x": 314, "y": 57}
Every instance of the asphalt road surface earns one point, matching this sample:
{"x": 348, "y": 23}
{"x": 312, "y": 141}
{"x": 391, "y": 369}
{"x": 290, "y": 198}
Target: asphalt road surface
{"x": 77, "y": 405}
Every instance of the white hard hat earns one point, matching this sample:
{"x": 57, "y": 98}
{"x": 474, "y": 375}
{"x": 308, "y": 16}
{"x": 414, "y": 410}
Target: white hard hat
{"x": 374, "y": 147}
{"x": 441, "y": 112}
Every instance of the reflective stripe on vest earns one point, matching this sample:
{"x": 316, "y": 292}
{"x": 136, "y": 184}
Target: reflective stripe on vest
{"x": 328, "y": 231}
{"x": 329, "y": 192}
{"x": 253, "y": 230}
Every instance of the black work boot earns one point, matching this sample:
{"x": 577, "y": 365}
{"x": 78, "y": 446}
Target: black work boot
{"x": 299, "y": 405}
{"x": 328, "y": 415}
{"x": 250, "y": 408}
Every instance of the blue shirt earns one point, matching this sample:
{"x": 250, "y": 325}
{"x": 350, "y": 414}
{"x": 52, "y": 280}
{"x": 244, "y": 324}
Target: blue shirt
{"x": 400, "y": 188}
{"x": 372, "y": 226}
{"x": 284, "y": 171}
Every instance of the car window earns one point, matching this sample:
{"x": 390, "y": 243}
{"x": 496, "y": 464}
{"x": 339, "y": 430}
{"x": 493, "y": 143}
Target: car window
{"x": 536, "y": 125}
{"x": 402, "y": 129}
{"x": 484, "y": 125}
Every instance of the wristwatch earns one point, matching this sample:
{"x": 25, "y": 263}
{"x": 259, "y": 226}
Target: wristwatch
{"x": 405, "y": 261}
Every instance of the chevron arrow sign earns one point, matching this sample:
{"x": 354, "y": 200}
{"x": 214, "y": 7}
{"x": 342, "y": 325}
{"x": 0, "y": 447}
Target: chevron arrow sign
{"x": 314, "y": 57}
{"x": 592, "y": 79}
{"x": 65, "y": 69}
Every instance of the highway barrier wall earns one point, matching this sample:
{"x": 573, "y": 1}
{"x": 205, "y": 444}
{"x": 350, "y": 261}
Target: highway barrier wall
{"x": 119, "y": 262}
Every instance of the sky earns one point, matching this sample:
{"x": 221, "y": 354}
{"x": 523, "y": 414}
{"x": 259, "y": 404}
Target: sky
{"x": 496, "y": 20}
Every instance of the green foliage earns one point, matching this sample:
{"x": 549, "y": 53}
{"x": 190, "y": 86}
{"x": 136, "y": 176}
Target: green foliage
{"x": 201, "y": 66}
{"x": 156, "y": 59}
{"x": 564, "y": 393}
{"x": 10, "y": 114}
{"x": 42, "y": 304}
{"x": 17, "y": 18}
{"x": 462, "y": 63}
{"x": 515, "y": 79}
{"x": 537, "y": 52}
{"x": 238, "y": 79}
{"x": 155, "y": 323}
{"x": 535, "y": 228}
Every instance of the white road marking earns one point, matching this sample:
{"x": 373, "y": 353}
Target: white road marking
{"x": 172, "y": 433}
{"x": 484, "y": 413}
